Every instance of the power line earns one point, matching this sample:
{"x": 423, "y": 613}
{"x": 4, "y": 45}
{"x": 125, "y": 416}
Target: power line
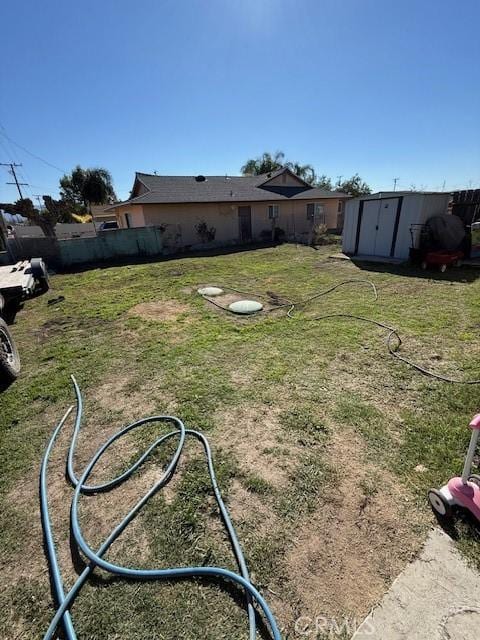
{"x": 34, "y": 155}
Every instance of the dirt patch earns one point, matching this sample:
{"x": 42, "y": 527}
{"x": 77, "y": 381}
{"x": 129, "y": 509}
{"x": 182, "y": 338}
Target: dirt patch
{"x": 343, "y": 559}
{"x": 56, "y": 326}
{"x": 159, "y": 310}
{"x": 380, "y": 387}
{"x": 99, "y": 513}
{"x": 247, "y": 508}
{"x": 222, "y": 301}
{"x": 119, "y": 394}
{"x": 187, "y": 290}
{"x": 253, "y": 435}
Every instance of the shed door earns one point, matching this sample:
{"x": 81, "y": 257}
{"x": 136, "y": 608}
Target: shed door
{"x": 385, "y": 226}
{"x": 368, "y": 228}
{"x": 377, "y": 227}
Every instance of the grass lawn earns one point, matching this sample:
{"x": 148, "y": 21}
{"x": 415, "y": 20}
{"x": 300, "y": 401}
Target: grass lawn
{"x": 324, "y": 444}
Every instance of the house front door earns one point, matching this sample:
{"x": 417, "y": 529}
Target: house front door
{"x": 245, "y": 223}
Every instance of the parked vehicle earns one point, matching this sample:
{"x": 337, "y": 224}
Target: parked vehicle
{"x": 18, "y": 282}
{"x": 108, "y": 226}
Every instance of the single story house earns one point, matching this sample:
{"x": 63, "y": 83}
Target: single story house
{"x": 221, "y": 210}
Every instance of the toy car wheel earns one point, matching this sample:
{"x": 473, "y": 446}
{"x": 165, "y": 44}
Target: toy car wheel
{"x": 40, "y": 273}
{"x": 424, "y": 265}
{"x": 475, "y": 478}
{"x": 439, "y": 504}
{"x": 9, "y": 358}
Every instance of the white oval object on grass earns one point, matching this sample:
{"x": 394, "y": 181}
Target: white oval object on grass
{"x": 210, "y": 291}
{"x": 245, "y": 307}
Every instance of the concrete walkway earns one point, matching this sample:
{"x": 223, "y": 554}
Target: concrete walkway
{"x": 437, "y": 597}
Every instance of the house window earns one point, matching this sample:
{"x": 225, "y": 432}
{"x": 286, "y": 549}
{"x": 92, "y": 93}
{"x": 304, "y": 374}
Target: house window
{"x": 316, "y": 212}
{"x": 128, "y": 220}
{"x": 273, "y": 211}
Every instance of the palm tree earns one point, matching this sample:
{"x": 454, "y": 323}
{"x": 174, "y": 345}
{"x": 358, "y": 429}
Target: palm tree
{"x": 265, "y": 163}
{"x": 304, "y": 171}
{"x": 268, "y": 162}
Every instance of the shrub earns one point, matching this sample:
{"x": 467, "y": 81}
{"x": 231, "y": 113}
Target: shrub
{"x": 205, "y": 233}
{"x": 321, "y": 236}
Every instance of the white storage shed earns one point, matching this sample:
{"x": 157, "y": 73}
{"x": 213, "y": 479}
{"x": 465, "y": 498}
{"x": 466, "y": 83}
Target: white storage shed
{"x": 380, "y": 224}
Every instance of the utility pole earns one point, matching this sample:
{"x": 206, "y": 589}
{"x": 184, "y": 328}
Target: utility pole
{"x": 18, "y": 184}
{"x": 395, "y": 180}
{"x": 38, "y": 198}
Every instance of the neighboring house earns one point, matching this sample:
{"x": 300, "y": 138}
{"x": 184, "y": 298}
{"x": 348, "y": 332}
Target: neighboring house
{"x": 99, "y": 214}
{"x": 192, "y": 210}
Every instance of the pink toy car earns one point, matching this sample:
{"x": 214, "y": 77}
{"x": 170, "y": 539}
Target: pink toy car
{"x": 461, "y": 491}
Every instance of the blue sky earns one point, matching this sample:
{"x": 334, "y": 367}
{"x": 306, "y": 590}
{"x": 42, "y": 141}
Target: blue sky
{"x": 379, "y": 87}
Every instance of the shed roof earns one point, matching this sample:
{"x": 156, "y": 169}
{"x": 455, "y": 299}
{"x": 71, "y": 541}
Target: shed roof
{"x": 394, "y": 194}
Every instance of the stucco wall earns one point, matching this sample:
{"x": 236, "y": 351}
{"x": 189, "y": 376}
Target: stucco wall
{"x": 136, "y": 216}
{"x": 179, "y": 221}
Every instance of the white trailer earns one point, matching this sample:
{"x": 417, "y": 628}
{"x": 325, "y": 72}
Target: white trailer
{"x": 18, "y": 282}
{"x": 380, "y": 225}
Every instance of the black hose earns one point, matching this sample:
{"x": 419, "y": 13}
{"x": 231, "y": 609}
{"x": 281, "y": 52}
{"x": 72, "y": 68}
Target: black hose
{"x": 393, "y": 333}
{"x": 393, "y": 350}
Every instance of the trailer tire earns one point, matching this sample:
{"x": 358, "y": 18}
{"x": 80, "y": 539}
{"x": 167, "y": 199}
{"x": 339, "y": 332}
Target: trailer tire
{"x": 40, "y": 273}
{"x": 9, "y": 357}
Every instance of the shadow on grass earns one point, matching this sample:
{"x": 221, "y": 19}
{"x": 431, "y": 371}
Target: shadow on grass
{"x": 453, "y": 274}
{"x": 133, "y": 260}
{"x": 462, "y": 527}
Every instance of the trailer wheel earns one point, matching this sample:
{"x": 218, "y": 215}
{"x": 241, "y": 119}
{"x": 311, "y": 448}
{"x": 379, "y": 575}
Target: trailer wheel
{"x": 9, "y": 358}
{"x": 40, "y": 273}
{"x": 439, "y": 505}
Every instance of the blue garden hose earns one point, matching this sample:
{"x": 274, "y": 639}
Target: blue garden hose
{"x": 65, "y": 600}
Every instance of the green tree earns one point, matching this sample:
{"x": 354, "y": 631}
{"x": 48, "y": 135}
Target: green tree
{"x": 265, "y": 163}
{"x": 87, "y": 186}
{"x": 354, "y": 186}
{"x": 268, "y": 162}
{"x": 323, "y": 182}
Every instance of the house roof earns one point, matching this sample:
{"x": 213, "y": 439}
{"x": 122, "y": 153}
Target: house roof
{"x": 189, "y": 189}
